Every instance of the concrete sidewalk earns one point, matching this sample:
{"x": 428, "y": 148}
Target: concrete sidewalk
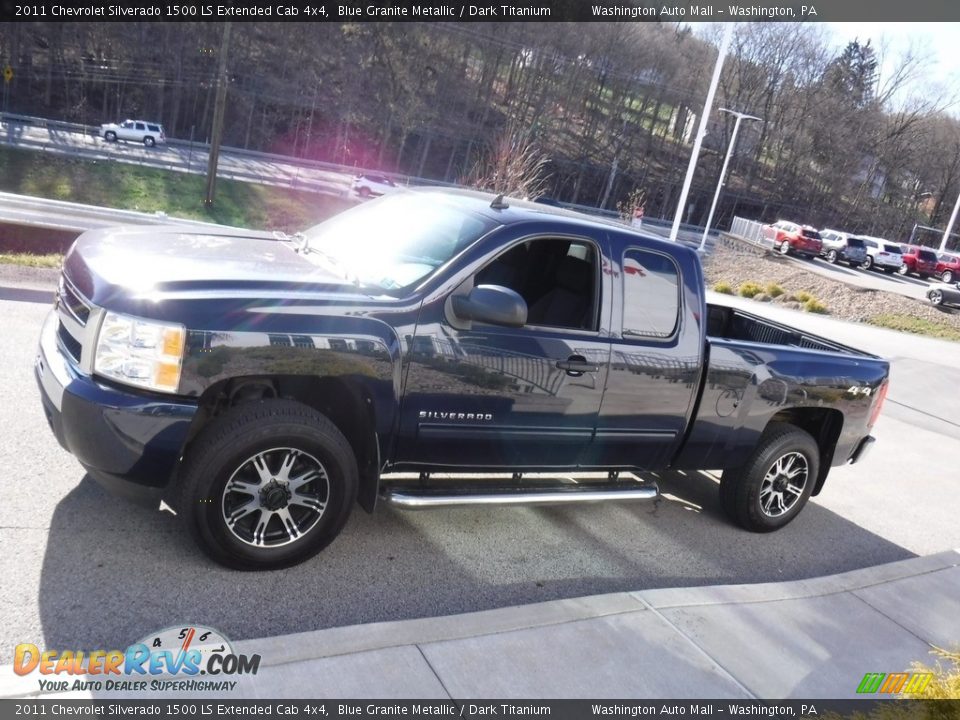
{"x": 805, "y": 639}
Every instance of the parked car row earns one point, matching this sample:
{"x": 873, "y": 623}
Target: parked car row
{"x": 861, "y": 251}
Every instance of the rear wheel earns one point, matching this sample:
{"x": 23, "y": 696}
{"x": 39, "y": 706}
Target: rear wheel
{"x": 149, "y": 141}
{"x": 903, "y": 270}
{"x": 770, "y": 489}
{"x": 947, "y": 276}
{"x": 110, "y": 136}
{"x": 267, "y": 485}
{"x": 868, "y": 263}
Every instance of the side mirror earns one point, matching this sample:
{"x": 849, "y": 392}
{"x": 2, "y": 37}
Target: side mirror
{"x": 492, "y": 304}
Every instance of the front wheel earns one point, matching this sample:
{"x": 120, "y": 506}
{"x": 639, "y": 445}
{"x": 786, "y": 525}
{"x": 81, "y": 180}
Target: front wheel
{"x": 785, "y": 248}
{"x": 947, "y": 276}
{"x": 868, "y": 263}
{"x": 268, "y": 485}
{"x": 149, "y": 141}
{"x": 772, "y": 486}
{"x": 110, "y": 136}
{"x": 936, "y": 297}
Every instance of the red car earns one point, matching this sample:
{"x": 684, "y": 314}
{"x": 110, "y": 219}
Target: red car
{"x": 918, "y": 260}
{"x": 948, "y": 267}
{"x": 788, "y": 237}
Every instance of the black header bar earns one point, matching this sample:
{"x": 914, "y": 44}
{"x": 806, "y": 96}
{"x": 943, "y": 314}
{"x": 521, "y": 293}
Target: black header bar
{"x": 479, "y": 11}
{"x": 326, "y": 709}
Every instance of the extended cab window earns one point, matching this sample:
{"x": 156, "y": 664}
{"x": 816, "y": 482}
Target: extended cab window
{"x": 557, "y": 278}
{"x": 651, "y": 294}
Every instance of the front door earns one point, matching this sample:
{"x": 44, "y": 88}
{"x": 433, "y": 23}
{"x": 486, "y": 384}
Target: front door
{"x": 493, "y": 398}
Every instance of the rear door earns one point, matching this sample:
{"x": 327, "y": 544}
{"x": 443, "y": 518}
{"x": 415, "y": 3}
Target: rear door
{"x": 655, "y": 362}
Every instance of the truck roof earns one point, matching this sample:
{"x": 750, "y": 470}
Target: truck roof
{"x": 519, "y": 210}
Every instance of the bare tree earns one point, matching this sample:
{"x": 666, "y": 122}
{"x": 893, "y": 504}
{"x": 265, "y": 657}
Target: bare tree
{"x": 512, "y": 165}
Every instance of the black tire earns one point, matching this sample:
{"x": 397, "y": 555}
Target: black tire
{"x": 744, "y": 490}
{"x": 274, "y": 431}
{"x": 935, "y": 296}
{"x": 868, "y": 263}
{"x": 149, "y": 141}
{"x": 947, "y": 276}
{"x": 110, "y": 136}
{"x": 832, "y": 256}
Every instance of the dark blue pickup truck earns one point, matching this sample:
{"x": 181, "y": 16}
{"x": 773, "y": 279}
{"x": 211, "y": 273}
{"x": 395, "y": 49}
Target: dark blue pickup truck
{"x": 429, "y": 349}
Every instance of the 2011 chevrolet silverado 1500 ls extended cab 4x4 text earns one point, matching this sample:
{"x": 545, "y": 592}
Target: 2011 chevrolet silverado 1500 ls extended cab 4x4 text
{"x": 262, "y": 385}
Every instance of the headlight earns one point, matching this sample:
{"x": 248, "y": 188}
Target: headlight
{"x": 140, "y": 352}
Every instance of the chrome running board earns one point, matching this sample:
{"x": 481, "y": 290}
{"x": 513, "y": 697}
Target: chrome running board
{"x": 408, "y": 498}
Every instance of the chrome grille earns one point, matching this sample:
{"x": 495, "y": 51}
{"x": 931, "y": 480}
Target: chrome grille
{"x": 76, "y": 315}
{"x": 70, "y": 345}
{"x": 73, "y": 302}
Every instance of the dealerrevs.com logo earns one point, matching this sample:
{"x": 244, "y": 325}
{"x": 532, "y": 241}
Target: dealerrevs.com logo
{"x": 170, "y": 660}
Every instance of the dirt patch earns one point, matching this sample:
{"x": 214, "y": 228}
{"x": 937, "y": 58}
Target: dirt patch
{"x": 735, "y": 263}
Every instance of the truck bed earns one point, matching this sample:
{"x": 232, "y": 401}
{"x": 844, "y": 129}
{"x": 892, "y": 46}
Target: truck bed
{"x": 732, "y": 324}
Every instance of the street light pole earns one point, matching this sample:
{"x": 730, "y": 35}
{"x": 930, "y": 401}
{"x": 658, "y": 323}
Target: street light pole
{"x": 701, "y": 130}
{"x": 723, "y": 172}
{"x": 953, "y": 219}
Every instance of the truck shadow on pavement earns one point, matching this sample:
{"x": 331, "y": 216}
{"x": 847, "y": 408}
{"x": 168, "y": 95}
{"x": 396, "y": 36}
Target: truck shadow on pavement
{"x": 114, "y": 572}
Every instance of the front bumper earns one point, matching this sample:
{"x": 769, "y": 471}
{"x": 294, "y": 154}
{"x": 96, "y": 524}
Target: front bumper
{"x": 127, "y": 440}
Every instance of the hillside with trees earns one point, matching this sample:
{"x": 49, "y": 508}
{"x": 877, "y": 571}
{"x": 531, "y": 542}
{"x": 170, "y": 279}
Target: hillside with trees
{"x": 610, "y": 109}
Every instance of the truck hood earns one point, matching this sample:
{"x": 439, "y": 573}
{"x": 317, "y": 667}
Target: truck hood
{"x": 163, "y": 261}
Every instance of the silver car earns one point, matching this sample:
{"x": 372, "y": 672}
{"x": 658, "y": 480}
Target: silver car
{"x": 841, "y": 246}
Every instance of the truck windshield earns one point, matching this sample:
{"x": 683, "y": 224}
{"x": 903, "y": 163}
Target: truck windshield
{"x": 394, "y": 242}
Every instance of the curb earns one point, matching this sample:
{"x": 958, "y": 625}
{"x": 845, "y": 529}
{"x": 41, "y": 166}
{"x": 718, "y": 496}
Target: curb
{"x": 343, "y": 642}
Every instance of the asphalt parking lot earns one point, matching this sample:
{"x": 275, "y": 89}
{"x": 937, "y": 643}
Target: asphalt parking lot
{"x": 86, "y": 570}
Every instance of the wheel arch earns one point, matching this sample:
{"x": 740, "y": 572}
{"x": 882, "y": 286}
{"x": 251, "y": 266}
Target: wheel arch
{"x": 345, "y": 401}
{"x": 824, "y": 425}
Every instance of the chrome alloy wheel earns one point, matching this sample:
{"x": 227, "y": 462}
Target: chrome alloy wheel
{"x": 783, "y": 484}
{"x": 275, "y": 497}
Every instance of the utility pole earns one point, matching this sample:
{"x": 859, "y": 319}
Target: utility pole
{"x": 218, "y": 109}
{"x": 953, "y": 219}
{"x": 701, "y": 130}
{"x": 723, "y": 172}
